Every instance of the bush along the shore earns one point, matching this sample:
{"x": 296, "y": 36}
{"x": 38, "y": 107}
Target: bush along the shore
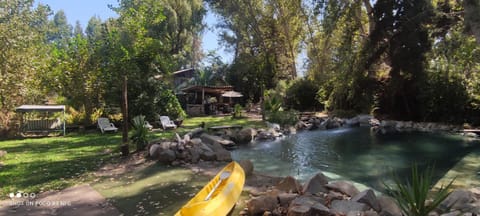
{"x": 412, "y": 195}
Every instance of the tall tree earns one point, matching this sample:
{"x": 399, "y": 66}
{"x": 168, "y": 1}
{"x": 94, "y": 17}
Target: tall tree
{"x": 21, "y": 54}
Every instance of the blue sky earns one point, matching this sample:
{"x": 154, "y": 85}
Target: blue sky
{"x": 83, "y": 10}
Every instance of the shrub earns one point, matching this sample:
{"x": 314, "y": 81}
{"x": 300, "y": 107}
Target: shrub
{"x": 237, "y": 111}
{"x": 140, "y": 131}
{"x": 74, "y": 117}
{"x": 302, "y": 95}
{"x": 412, "y": 195}
{"x": 283, "y": 118}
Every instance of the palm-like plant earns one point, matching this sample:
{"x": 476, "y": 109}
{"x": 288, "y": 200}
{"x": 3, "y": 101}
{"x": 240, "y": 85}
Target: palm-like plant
{"x": 140, "y": 132}
{"x": 412, "y": 195}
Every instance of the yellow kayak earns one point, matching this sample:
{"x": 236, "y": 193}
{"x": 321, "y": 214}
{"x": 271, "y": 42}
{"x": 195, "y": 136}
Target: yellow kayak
{"x": 219, "y": 196}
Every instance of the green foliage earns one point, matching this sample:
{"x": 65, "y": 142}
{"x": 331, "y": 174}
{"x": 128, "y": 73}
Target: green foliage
{"x": 74, "y": 117}
{"x": 237, "y": 111}
{"x": 272, "y": 102}
{"x": 412, "y": 196}
{"x": 22, "y": 55}
{"x": 169, "y": 105}
{"x": 283, "y": 118}
{"x": 266, "y": 37}
{"x": 302, "y": 95}
{"x": 140, "y": 132}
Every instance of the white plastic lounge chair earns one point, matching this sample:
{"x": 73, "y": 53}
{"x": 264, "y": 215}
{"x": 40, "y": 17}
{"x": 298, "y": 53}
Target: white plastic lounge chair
{"x": 105, "y": 125}
{"x": 167, "y": 123}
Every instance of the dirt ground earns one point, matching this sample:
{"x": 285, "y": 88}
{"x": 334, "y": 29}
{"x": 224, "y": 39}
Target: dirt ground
{"x": 85, "y": 200}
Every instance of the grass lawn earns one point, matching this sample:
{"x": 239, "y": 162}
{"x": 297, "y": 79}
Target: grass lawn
{"x": 54, "y": 163}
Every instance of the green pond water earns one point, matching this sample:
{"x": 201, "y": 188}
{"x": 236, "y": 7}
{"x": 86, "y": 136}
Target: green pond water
{"x": 356, "y": 154}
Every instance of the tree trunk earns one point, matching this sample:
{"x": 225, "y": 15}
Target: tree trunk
{"x": 125, "y": 118}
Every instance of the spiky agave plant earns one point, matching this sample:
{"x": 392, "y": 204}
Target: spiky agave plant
{"x": 139, "y": 136}
{"x": 412, "y": 195}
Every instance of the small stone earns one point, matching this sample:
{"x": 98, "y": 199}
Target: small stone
{"x": 267, "y": 213}
{"x": 343, "y": 187}
{"x": 453, "y": 213}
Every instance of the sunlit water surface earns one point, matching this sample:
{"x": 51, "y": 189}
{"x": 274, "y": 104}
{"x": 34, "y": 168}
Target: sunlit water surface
{"x": 356, "y": 154}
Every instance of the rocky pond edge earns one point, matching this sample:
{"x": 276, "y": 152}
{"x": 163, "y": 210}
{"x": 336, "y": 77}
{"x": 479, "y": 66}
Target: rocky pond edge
{"x": 319, "y": 195}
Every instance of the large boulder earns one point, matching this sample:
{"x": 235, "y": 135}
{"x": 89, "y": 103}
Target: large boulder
{"x": 195, "y": 133}
{"x": 364, "y": 120}
{"x": 316, "y": 184}
{"x": 195, "y": 141}
{"x": 168, "y": 145}
{"x": 166, "y": 156}
{"x": 247, "y": 166}
{"x": 289, "y": 184}
{"x": 308, "y": 200}
{"x": 320, "y": 210}
{"x": 208, "y": 156}
{"x": 343, "y": 187}
{"x": 264, "y": 135}
{"x": 246, "y": 135}
{"x": 285, "y": 199}
{"x": 261, "y": 204}
{"x": 301, "y": 125}
{"x": 353, "y": 122}
{"x": 195, "y": 154}
{"x": 205, "y": 147}
{"x": 154, "y": 150}
{"x": 368, "y": 197}
{"x": 223, "y": 155}
{"x": 299, "y": 211}
{"x": 216, "y": 140}
{"x": 307, "y": 204}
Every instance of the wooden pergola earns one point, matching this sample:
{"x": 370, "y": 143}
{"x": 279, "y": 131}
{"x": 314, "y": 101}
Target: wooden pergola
{"x": 43, "y": 121}
{"x": 198, "y": 94}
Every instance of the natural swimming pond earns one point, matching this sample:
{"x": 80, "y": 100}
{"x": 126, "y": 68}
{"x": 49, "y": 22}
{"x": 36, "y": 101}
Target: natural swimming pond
{"x": 356, "y": 154}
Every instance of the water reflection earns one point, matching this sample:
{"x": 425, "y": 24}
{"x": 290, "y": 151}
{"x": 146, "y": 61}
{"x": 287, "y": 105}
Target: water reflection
{"x": 355, "y": 154}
